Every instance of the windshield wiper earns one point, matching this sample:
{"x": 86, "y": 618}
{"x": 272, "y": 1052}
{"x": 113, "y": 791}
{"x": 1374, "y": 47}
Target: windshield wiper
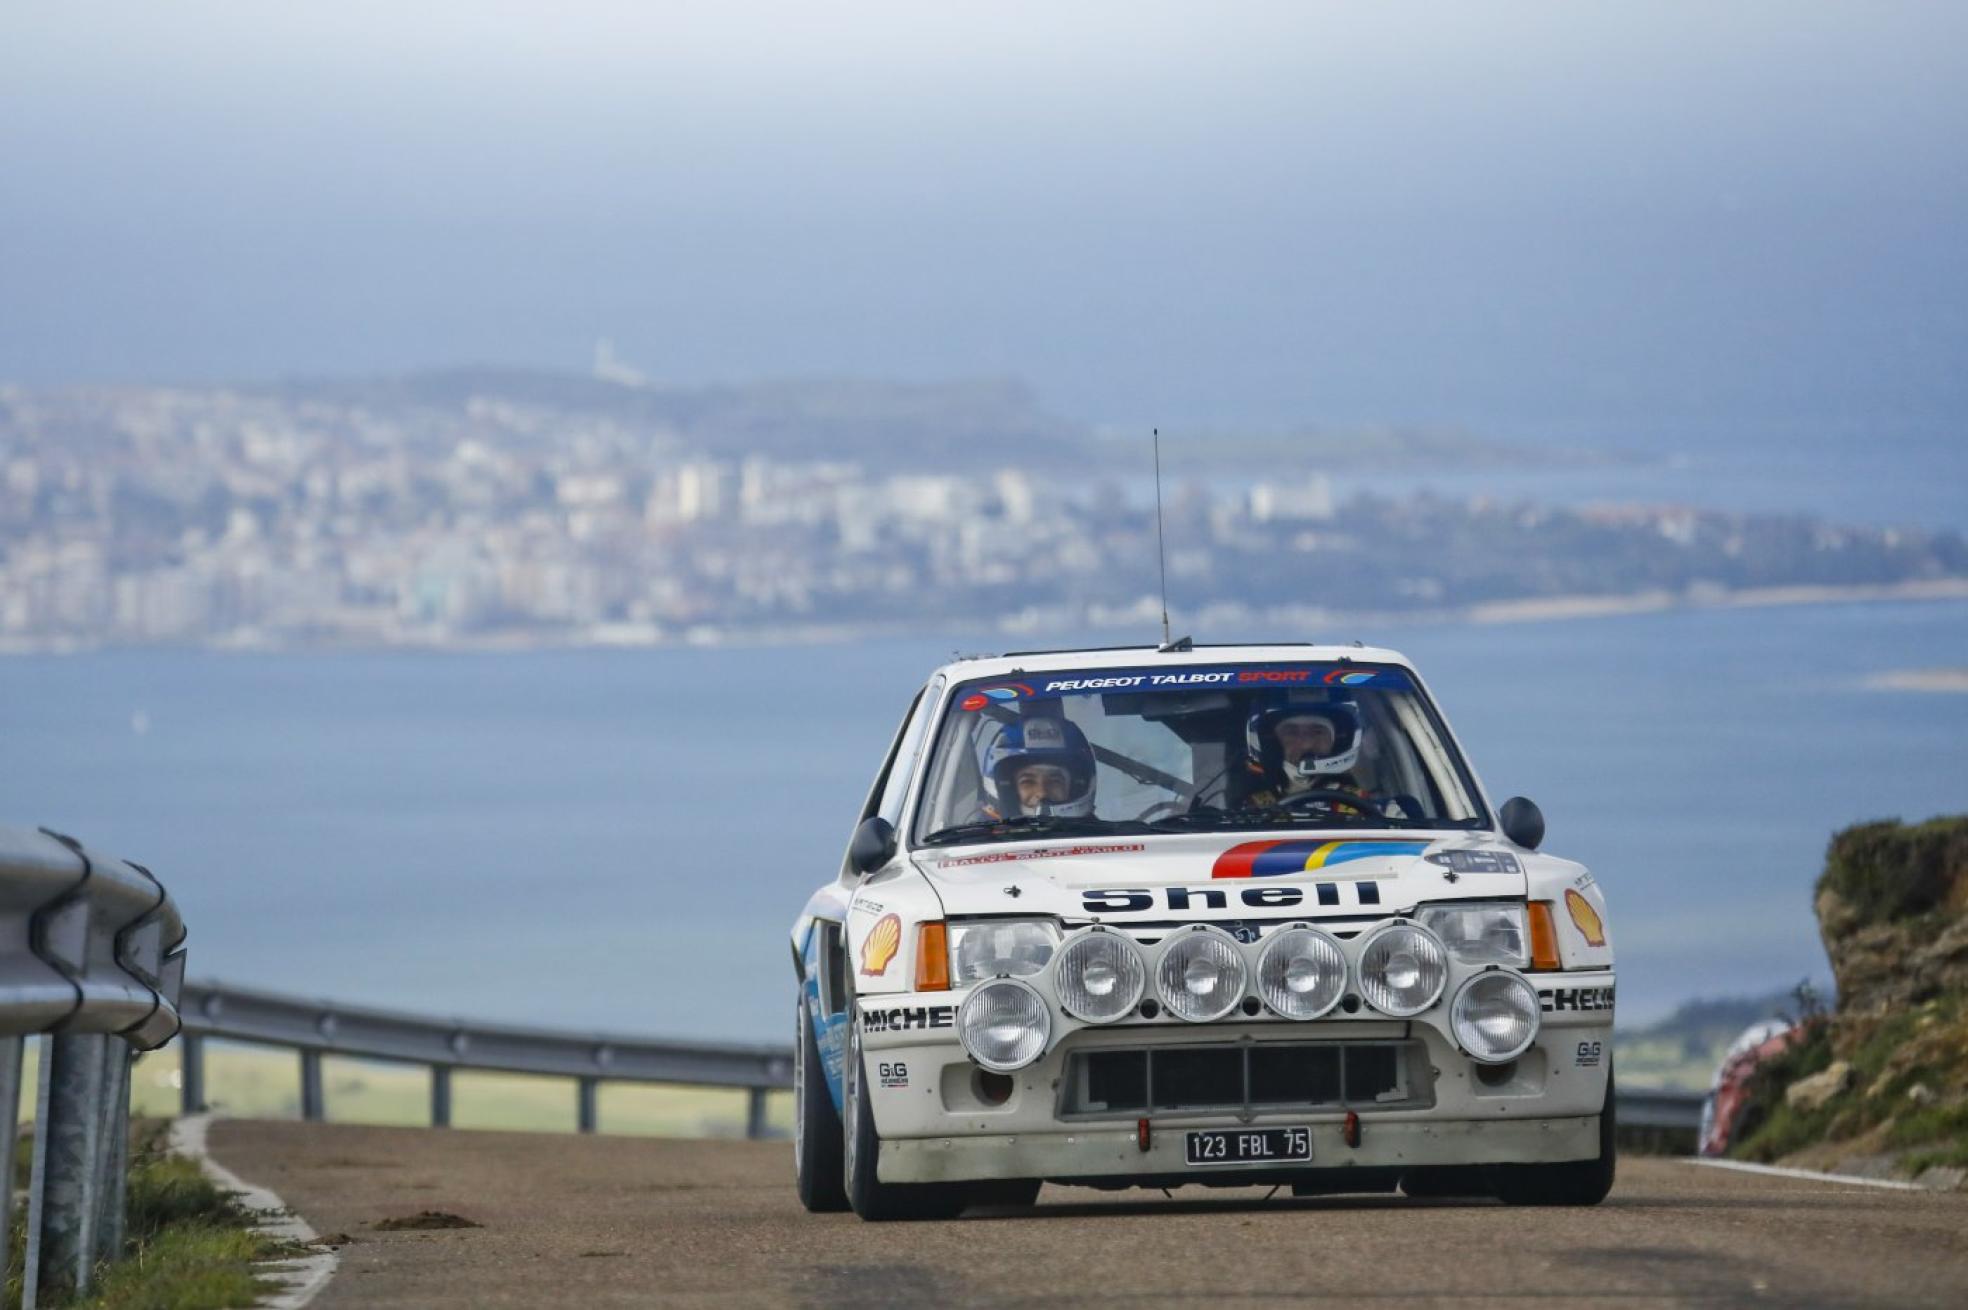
{"x": 1018, "y": 825}
{"x": 1268, "y": 816}
{"x": 1207, "y": 817}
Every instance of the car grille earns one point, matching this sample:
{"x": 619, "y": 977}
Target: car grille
{"x": 1247, "y": 1077}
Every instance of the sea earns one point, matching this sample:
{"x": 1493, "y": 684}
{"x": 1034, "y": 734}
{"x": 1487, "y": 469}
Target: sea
{"x": 619, "y": 840}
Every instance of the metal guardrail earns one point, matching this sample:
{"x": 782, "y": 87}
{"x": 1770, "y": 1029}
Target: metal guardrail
{"x": 92, "y": 956}
{"x": 319, "y": 1028}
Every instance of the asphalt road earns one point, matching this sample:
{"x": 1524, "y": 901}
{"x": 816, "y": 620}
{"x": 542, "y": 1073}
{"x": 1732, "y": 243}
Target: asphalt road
{"x": 579, "y": 1221}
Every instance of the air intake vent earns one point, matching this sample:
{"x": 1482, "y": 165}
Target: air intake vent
{"x": 1247, "y": 1077}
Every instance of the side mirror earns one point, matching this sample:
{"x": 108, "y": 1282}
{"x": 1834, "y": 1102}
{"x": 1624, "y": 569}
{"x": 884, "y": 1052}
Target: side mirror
{"x": 1522, "y": 822}
{"x": 873, "y": 845}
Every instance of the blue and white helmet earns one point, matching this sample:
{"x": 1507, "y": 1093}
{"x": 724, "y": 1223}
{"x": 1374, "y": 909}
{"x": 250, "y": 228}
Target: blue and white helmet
{"x": 1038, "y": 739}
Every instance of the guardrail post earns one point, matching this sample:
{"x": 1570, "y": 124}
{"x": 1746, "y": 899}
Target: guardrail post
{"x": 587, "y": 1104}
{"x": 755, "y": 1113}
{"x": 440, "y": 1096}
{"x": 191, "y": 1073}
{"x": 10, "y": 1090}
{"x": 115, "y": 1152}
{"x": 62, "y": 1202}
{"x": 314, "y": 1106}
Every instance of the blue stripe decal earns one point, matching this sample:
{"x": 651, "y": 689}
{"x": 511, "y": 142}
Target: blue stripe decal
{"x": 1367, "y": 850}
{"x": 1285, "y": 857}
{"x": 829, "y": 1030}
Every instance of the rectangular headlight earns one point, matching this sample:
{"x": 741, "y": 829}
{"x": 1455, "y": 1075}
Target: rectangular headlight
{"x": 985, "y": 948}
{"x": 1481, "y": 932}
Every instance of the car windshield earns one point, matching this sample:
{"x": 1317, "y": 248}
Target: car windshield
{"x": 1189, "y": 748}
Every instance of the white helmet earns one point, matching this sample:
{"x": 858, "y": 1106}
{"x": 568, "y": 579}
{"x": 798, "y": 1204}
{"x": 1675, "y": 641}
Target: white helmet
{"x": 1267, "y": 755}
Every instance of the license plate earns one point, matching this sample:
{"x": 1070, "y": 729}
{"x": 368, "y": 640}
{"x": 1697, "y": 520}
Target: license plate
{"x": 1249, "y": 1145}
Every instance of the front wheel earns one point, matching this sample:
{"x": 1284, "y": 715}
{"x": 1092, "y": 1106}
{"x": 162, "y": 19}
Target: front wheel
{"x": 817, "y": 1171}
{"x": 871, "y": 1198}
{"x": 1575, "y": 1182}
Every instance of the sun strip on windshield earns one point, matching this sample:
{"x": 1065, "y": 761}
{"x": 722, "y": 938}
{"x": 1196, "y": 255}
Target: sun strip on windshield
{"x": 1004, "y": 691}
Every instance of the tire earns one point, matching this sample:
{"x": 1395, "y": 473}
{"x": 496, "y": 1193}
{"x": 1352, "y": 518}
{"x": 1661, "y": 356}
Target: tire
{"x": 872, "y": 1199}
{"x": 817, "y": 1174}
{"x": 1575, "y": 1182}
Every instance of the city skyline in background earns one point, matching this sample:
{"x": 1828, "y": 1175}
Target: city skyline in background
{"x": 504, "y": 510}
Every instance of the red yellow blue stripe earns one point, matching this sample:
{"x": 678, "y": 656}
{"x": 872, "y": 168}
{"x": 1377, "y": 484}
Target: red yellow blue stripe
{"x": 1272, "y": 859}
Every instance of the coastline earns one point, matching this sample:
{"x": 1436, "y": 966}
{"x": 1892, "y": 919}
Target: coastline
{"x": 1140, "y": 618}
{"x": 1922, "y": 680}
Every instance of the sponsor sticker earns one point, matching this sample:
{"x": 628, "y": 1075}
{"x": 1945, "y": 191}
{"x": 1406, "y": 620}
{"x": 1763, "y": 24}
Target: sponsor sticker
{"x": 1589, "y": 1054}
{"x": 880, "y": 945}
{"x": 908, "y": 1018}
{"x": 1568, "y": 1000}
{"x": 1587, "y": 918}
{"x": 997, "y": 695}
{"x": 1134, "y": 900}
{"x": 1143, "y": 680}
{"x": 1271, "y": 859}
{"x": 1464, "y": 861}
{"x": 893, "y": 1073}
{"x": 1042, "y": 853}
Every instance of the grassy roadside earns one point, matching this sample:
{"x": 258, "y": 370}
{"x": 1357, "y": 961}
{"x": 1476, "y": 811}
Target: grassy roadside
{"x": 188, "y": 1244}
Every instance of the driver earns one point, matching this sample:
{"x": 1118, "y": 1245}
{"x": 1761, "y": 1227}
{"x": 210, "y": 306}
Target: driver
{"x": 1038, "y": 765}
{"x": 1300, "y": 748}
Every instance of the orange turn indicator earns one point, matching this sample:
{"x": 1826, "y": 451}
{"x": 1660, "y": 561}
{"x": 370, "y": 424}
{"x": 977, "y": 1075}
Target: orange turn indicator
{"x": 932, "y": 957}
{"x": 1544, "y": 937}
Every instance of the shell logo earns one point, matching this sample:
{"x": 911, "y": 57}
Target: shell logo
{"x": 1586, "y": 918}
{"x": 880, "y": 945}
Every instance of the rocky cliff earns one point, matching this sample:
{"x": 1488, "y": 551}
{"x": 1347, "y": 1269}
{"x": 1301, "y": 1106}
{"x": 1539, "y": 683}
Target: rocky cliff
{"x": 1880, "y": 1084}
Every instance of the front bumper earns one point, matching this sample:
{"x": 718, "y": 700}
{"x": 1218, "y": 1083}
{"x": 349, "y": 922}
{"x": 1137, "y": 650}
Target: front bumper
{"x": 939, "y": 1120}
{"x": 1093, "y": 1154}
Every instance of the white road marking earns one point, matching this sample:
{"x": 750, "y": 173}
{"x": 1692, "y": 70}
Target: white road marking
{"x": 300, "y": 1280}
{"x": 1808, "y": 1175}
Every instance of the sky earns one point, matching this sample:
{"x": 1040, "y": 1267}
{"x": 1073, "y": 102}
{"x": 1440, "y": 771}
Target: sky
{"x": 1735, "y": 221}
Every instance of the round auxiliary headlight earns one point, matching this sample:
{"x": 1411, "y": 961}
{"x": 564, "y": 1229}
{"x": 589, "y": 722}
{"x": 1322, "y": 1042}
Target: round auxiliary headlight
{"x": 1495, "y": 1016}
{"x": 1100, "y": 976}
{"x": 1402, "y": 970}
{"x": 1004, "y": 1025}
{"x": 1301, "y": 973}
{"x": 1201, "y": 974}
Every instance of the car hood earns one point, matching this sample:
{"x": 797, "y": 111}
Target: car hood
{"x": 1204, "y": 877}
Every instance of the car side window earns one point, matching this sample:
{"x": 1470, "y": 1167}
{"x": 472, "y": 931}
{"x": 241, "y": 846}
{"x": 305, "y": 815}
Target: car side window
{"x": 902, "y": 764}
{"x": 879, "y": 791}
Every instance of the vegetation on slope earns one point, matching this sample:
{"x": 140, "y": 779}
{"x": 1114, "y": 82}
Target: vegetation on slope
{"x": 1885, "y": 1077}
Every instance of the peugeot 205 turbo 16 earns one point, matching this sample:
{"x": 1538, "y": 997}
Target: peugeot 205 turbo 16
{"x": 1235, "y": 915}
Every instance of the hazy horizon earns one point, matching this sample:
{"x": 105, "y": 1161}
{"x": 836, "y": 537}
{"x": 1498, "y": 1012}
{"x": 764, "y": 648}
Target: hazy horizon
{"x": 1666, "y": 223}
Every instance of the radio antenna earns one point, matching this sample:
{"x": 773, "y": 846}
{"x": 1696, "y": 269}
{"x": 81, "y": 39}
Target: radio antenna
{"x": 1161, "y": 551}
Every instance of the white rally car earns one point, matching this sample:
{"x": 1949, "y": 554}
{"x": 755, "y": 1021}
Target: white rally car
{"x": 1233, "y": 915}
